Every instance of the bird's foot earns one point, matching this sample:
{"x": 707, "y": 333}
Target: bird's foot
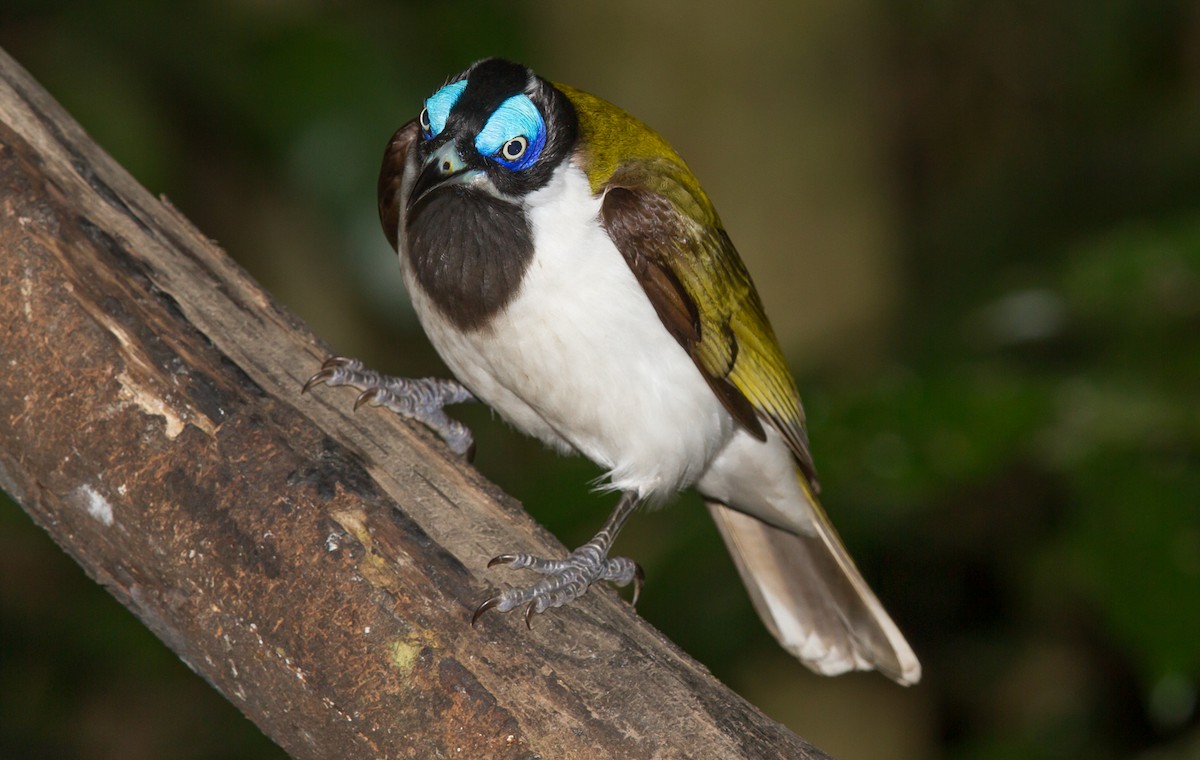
{"x": 566, "y": 579}
{"x": 422, "y": 399}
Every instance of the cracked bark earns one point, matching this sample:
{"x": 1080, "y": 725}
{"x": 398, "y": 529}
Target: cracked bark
{"x": 315, "y": 566}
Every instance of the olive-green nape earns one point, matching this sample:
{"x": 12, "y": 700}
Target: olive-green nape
{"x": 610, "y": 137}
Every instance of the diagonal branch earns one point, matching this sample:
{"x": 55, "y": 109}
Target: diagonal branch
{"x": 316, "y": 567}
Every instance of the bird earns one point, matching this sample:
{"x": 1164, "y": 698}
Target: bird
{"x": 571, "y": 272}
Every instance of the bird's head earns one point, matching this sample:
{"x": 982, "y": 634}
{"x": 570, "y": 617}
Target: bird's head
{"x": 496, "y": 129}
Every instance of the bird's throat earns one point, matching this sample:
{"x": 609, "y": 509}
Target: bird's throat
{"x": 469, "y": 251}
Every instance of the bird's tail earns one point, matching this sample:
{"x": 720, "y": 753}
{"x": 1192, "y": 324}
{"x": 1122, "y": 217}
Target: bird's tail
{"x": 813, "y": 599}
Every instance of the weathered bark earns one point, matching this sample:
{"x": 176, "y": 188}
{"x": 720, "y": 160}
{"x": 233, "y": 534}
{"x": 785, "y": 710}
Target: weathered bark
{"x": 317, "y": 567}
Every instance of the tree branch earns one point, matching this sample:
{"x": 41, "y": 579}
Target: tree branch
{"x": 317, "y": 567}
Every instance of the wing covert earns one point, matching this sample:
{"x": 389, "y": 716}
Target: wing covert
{"x": 676, "y": 247}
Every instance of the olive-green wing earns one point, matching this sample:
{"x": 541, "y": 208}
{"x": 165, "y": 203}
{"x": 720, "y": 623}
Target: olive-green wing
{"x": 666, "y": 229}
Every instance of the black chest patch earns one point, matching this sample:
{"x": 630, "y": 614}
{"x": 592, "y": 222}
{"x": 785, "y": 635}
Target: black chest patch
{"x": 469, "y": 251}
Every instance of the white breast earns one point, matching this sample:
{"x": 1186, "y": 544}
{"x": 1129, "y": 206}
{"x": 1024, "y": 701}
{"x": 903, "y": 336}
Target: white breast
{"x": 581, "y": 360}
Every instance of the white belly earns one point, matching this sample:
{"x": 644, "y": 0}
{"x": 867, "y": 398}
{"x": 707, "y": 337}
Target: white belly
{"x": 581, "y": 360}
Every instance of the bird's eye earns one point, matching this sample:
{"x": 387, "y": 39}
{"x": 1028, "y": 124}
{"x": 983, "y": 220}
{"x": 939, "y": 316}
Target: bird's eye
{"x": 514, "y": 148}
{"x": 514, "y": 135}
{"x": 437, "y": 108}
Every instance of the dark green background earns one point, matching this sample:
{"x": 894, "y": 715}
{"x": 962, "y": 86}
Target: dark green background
{"x": 977, "y": 230}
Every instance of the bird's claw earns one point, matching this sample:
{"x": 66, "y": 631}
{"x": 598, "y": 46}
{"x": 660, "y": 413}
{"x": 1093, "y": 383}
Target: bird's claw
{"x": 328, "y": 369}
{"x": 482, "y": 608}
{"x": 423, "y": 399}
{"x": 316, "y": 379}
{"x": 531, "y": 609}
{"x": 367, "y": 396}
{"x": 564, "y": 581}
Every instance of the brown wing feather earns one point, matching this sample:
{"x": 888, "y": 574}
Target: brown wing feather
{"x": 640, "y": 230}
{"x": 703, "y": 295}
{"x": 390, "y": 176}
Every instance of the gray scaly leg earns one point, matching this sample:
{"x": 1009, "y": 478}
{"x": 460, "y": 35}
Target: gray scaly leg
{"x": 568, "y": 579}
{"x": 420, "y": 399}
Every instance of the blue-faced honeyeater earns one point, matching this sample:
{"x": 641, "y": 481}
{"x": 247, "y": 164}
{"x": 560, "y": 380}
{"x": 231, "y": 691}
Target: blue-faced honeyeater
{"x": 573, "y": 275}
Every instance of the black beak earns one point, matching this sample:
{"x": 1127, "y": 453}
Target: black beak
{"x": 443, "y": 167}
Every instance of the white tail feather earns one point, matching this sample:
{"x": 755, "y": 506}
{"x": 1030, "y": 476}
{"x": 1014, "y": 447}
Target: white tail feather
{"x": 813, "y": 599}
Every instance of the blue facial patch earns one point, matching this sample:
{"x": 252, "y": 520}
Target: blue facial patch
{"x": 516, "y": 117}
{"x": 438, "y": 106}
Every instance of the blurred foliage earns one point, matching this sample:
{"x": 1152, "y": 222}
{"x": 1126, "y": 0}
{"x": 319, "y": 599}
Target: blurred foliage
{"x": 1016, "y": 467}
